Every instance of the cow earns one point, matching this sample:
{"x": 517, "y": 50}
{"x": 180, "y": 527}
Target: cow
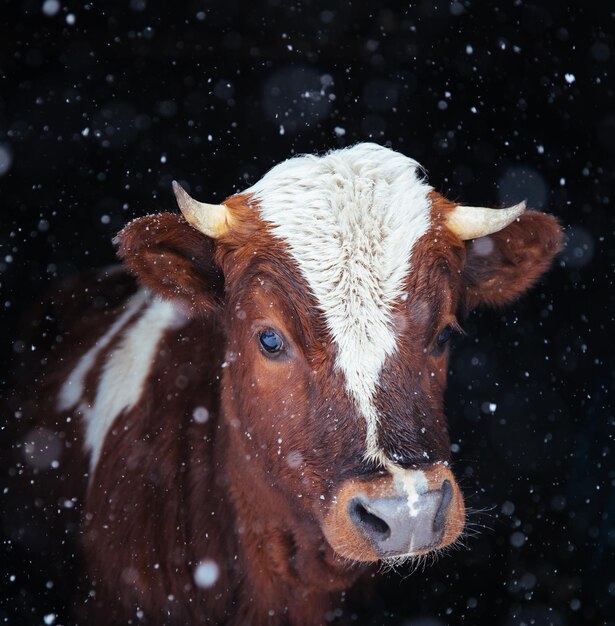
{"x": 250, "y": 412}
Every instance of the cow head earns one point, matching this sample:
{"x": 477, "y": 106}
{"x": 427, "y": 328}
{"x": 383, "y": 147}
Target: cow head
{"x": 337, "y": 281}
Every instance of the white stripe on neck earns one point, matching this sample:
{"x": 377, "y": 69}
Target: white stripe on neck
{"x": 125, "y": 369}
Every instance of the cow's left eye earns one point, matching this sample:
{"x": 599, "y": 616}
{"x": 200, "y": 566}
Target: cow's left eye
{"x": 270, "y": 341}
{"x": 444, "y": 336}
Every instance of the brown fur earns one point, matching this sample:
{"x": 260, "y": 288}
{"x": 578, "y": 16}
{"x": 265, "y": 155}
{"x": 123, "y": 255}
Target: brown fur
{"x": 254, "y": 489}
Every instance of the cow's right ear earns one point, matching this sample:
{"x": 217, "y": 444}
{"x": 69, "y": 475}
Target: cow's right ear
{"x": 172, "y": 259}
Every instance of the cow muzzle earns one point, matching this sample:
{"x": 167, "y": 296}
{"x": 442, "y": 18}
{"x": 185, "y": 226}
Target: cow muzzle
{"x": 403, "y": 513}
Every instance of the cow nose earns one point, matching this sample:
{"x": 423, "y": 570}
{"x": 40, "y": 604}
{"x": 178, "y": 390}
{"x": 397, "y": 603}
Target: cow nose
{"x": 397, "y": 526}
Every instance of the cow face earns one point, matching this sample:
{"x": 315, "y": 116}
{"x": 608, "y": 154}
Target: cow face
{"x": 338, "y": 281}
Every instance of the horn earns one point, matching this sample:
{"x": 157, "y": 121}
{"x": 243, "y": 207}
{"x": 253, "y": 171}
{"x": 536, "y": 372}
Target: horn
{"x": 470, "y": 222}
{"x": 211, "y": 219}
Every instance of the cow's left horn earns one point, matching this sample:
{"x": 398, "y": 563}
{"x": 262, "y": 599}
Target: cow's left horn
{"x": 211, "y": 219}
{"x": 470, "y": 222}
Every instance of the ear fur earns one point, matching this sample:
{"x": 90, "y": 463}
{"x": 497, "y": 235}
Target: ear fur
{"x": 172, "y": 259}
{"x": 501, "y": 266}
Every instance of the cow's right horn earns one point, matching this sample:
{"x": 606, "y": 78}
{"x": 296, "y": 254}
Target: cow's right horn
{"x": 210, "y": 219}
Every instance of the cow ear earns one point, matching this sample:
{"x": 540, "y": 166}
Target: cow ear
{"x": 501, "y": 266}
{"x": 172, "y": 259}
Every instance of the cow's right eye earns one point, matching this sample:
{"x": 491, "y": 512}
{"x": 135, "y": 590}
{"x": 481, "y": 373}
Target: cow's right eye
{"x": 270, "y": 341}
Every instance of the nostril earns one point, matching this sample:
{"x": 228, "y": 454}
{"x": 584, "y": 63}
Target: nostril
{"x": 373, "y": 524}
{"x": 439, "y": 521}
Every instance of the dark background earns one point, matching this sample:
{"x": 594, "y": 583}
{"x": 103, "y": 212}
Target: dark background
{"x": 102, "y": 104}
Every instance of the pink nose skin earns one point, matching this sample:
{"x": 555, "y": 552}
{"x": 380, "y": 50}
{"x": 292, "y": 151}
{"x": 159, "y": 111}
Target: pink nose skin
{"x": 395, "y": 513}
{"x": 394, "y": 529}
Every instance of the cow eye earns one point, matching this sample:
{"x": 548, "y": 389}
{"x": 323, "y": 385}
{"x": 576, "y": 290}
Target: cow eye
{"x": 270, "y": 341}
{"x": 444, "y": 336}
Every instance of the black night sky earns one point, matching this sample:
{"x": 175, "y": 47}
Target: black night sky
{"x": 102, "y": 104}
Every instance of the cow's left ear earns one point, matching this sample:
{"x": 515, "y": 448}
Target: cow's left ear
{"x": 501, "y": 266}
{"x": 172, "y": 259}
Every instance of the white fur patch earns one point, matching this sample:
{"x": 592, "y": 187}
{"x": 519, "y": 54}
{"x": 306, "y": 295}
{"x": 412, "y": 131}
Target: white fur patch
{"x": 410, "y": 483}
{"x": 125, "y": 370}
{"x": 73, "y": 388}
{"x": 351, "y": 219}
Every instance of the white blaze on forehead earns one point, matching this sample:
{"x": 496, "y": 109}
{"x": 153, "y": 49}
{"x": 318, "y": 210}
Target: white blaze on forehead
{"x": 350, "y": 219}
{"x": 125, "y": 370}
